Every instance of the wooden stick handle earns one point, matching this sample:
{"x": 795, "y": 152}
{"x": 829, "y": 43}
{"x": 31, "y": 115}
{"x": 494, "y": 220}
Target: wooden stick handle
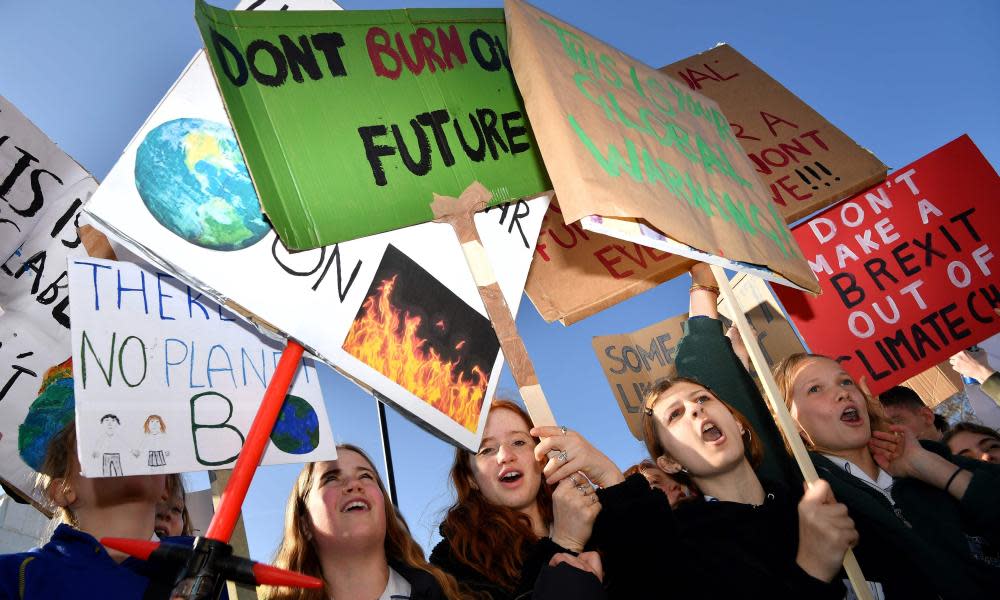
{"x": 782, "y": 416}
{"x": 502, "y": 319}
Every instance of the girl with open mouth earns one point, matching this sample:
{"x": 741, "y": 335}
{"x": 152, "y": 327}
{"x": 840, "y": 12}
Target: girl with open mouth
{"x": 340, "y": 527}
{"x": 533, "y": 506}
{"x": 927, "y": 519}
{"x": 768, "y": 539}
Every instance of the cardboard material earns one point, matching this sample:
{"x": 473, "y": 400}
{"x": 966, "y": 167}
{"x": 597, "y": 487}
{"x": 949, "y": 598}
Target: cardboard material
{"x": 803, "y": 160}
{"x": 167, "y": 381}
{"x": 328, "y": 299}
{"x": 634, "y": 362}
{"x": 351, "y": 120}
{"x": 576, "y": 273}
{"x": 775, "y": 335}
{"x": 935, "y": 385}
{"x": 634, "y": 154}
{"x": 908, "y": 268}
{"x": 40, "y": 185}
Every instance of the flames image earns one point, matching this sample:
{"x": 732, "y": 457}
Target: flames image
{"x": 418, "y": 333}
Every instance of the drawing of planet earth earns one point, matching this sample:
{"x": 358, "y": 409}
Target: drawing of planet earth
{"x": 191, "y": 176}
{"x": 297, "y": 428}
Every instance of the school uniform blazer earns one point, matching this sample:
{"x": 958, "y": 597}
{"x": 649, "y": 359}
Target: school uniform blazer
{"x": 918, "y": 547}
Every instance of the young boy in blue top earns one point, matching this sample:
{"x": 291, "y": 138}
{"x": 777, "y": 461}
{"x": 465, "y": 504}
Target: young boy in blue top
{"x": 73, "y": 564}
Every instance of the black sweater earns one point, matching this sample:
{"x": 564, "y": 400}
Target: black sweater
{"x": 703, "y": 549}
{"x": 538, "y": 580}
{"x": 918, "y": 548}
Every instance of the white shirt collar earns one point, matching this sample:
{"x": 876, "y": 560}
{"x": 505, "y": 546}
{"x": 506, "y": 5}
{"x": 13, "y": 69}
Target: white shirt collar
{"x": 397, "y": 588}
{"x": 882, "y": 483}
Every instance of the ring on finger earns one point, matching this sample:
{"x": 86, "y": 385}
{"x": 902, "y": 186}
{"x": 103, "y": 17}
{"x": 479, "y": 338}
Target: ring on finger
{"x": 563, "y": 429}
{"x": 574, "y": 480}
{"x": 562, "y": 456}
{"x": 582, "y": 489}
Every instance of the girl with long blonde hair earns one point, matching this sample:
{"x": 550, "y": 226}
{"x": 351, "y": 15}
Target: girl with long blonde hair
{"x": 341, "y": 528}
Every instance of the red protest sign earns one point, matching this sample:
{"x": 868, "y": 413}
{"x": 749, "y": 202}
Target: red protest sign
{"x": 908, "y": 268}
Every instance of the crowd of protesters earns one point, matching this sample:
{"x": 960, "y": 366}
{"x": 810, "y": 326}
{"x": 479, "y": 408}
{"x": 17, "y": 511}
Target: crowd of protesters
{"x": 716, "y": 510}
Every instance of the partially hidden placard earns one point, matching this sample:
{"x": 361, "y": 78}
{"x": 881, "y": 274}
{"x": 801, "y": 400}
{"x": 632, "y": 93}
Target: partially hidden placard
{"x": 805, "y": 161}
{"x": 634, "y": 362}
{"x": 167, "y": 381}
{"x": 908, "y": 268}
{"x": 576, "y": 273}
{"x": 350, "y": 121}
{"x": 636, "y": 155}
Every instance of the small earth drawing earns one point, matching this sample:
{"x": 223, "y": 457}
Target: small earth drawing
{"x": 297, "y": 428}
{"x": 191, "y": 176}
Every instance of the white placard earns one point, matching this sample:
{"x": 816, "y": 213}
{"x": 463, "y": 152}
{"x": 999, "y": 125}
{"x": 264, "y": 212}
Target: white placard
{"x": 25, "y": 356}
{"x": 39, "y": 183}
{"x": 166, "y": 381}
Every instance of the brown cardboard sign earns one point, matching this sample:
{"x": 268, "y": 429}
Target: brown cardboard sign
{"x": 637, "y": 155}
{"x": 634, "y": 362}
{"x": 576, "y": 273}
{"x": 805, "y": 161}
{"x": 775, "y": 335}
{"x": 935, "y": 385}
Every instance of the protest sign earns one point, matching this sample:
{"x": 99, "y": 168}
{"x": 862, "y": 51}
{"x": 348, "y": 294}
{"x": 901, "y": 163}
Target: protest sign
{"x": 576, "y": 273}
{"x": 936, "y": 384}
{"x": 40, "y": 185}
{"x": 774, "y": 333}
{"x": 26, "y": 353}
{"x": 805, "y": 162}
{"x": 633, "y": 155}
{"x": 907, "y": 268}
{"x": 321, "y": 296}
{"x": 634, "y": 362}
{"x": 350, "y": 121}
{"x": 166, "y": 381}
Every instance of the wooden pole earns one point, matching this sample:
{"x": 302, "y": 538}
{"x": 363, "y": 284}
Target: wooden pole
{"x": 783, "y": 417}
{"x": 459, "y": 213}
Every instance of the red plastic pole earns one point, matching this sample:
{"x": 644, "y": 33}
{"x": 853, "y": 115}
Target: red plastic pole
{"x": 224, "y": 521}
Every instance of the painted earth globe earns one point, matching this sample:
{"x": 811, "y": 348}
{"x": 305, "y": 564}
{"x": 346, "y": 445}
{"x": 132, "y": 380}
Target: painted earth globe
{"x": 297, "y": 428}
{"x": 191, "y": 176}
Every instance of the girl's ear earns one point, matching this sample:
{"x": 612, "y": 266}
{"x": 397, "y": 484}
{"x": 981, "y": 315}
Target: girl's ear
{"x": 669, "y": 465}
{"x": 61, "y": 492}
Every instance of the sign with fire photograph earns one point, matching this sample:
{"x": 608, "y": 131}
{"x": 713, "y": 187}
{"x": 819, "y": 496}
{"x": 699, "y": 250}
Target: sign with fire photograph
{"x": 397, "y": 313}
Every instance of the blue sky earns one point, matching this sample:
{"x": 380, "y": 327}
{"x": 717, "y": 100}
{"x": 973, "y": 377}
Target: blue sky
{"x": 901, "y": 78}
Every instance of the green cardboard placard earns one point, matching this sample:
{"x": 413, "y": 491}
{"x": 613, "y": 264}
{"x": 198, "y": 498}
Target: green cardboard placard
{"x": 350, "y": 121}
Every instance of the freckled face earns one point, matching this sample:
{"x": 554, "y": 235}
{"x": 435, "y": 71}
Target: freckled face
{"x": 698, "y": 430}
{"x": 829, "y": 406}
{"x": 345, "y": 505}
{"x": 505, "y": 469}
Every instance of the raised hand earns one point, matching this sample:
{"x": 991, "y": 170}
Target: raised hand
{"x": 574, "y": 508}
{"x": 967, "y": 365}
{"x": 569, "y": 452}
{"x": 825, "y": 532}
